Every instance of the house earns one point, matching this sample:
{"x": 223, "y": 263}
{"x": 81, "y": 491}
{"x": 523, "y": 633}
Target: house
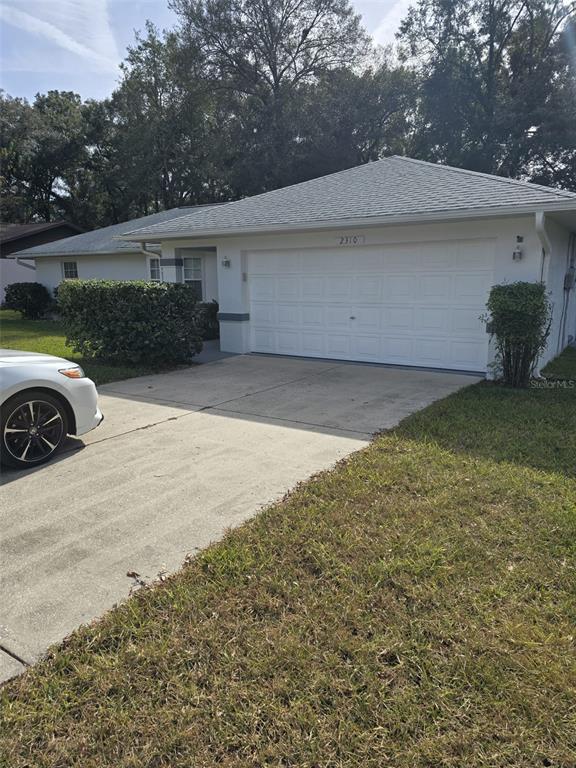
{"x": 389, "y": 262}
{"x": 18, "y": 237}
{"x": 101, "y": 254}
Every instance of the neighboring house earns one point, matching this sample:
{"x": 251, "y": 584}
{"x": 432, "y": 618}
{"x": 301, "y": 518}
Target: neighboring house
{"x": 101, "y": 254}
{"x": 389, "y": 262}
{"x": 18, "y": 237}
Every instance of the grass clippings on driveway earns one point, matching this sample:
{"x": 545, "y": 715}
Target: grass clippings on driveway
{"x": 48, "y": 336}
{"x": 415, "y": 607}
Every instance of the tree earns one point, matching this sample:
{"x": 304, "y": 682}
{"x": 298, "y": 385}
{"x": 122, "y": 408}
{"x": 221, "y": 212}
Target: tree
{"x": 259, "y": 55}
{"x": 43, "y": 148}
{"x": 162, "y": 116}
{"x": 488, "y": 69}
{"x": 16, "y": 125}
{"x": 353, "y": 118}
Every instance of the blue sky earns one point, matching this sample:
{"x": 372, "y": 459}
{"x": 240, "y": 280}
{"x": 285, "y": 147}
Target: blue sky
{"x": 77, "y": 44}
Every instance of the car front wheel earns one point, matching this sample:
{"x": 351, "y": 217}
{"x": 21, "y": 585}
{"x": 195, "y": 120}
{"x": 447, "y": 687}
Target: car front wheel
{"x": 34, "y": 426}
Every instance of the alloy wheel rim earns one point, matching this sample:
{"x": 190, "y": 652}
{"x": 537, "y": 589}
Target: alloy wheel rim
{"x": 33, "y": 431}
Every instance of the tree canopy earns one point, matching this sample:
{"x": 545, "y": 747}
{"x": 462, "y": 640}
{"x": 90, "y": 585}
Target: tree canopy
{"x": 244, "y": 96}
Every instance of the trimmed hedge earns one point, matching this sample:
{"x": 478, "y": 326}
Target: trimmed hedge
{"x": 519, "y": 320}
{"x": 131, "y": 321}
{"x": 31, "y": 299}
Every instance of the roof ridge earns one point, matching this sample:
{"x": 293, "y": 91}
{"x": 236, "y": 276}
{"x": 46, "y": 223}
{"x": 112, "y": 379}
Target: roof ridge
{"x": 315, "y": 178}
{"x": 505, "y": 179}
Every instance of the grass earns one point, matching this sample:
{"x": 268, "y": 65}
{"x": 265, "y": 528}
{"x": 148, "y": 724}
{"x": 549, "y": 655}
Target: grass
{"x": 564, "y": 366}
{"x": 414, "y": 607}
{"x": 48, "y": 336}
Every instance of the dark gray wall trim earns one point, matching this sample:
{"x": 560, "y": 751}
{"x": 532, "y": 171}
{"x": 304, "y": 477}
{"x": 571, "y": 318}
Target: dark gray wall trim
{"x": 233, "y": 317}
{"x": 172, "y": 262}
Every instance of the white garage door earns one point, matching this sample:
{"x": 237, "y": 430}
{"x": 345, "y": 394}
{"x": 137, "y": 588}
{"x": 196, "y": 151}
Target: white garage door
{"x": 416, "y": 304}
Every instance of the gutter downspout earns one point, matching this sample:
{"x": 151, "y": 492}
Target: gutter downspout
{"x": 149, "y": 253}
{"x": 540, "y": 223}
{"x": 24, "y": 264}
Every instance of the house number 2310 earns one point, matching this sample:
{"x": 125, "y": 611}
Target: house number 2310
{"x": 351, "y": 240}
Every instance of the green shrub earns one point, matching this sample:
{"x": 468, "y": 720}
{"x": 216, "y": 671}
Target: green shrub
{"x": 31, "y": 299}
{"x": 519, "y": 321}
{"x": 208, "y": 325}
{"x": 130, "y": 321}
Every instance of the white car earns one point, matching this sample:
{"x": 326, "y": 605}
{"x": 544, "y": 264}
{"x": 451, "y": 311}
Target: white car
{"x": 42, "y": 399}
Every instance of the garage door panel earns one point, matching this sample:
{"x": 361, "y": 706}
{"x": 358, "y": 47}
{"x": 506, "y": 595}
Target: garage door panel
{"x": 288, "y": 288}
{"x": 413, "y": 304}
{"x": 313, "y": 315}
{"x": 401, "y": 258}
{"x": 435, "y": 287}
{"x": 437, "y": 256}
{"x": 398, "y": 350}
{"x": 472, "y": 287}
{"x": 366, "y": 347}
{"x": 466, "y": 320}
{"x": 367, "y": 318}
{"x": 368, "y": 288}
{"x": 288, "y": 314}
{"x": 263, "y": 340}
{"x": 400, "y": 288}
{"x": 399, "y": 318}
{"x": 432, "y": 352}
{"x": 263, "y": 314}
{"x": 312, "y": 288}
{"x": 338, "y": 345}
{"x": 431, "y": 319}
{"x": 288, "y": 342}
{"x": 313, "y": 344}
{"x": 468, "y": 354}
{"x": 338, "y": 316}
{"x": 338, "y": 288}
{"x": 287, "y": 263}
{"x": 263, "y": 288}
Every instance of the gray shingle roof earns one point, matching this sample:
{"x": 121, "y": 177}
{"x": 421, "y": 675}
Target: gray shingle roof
{"x": 105, "y": 240}
{"x": 393, "y": 187}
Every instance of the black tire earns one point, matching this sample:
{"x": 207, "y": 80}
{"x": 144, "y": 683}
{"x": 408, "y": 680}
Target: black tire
{"x": 33, "y": 427}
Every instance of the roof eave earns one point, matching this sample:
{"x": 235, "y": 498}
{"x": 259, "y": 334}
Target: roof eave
{"x": 369, "y": 221}
{"x": 72, "y": 254}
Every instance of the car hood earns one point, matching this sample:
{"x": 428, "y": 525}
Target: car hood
{"x": 19, "y": 357}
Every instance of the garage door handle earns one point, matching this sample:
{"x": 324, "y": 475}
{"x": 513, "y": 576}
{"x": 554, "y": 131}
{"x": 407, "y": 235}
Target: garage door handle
{"x": 352, "y": 317}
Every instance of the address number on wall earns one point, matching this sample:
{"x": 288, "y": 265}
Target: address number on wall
{"x": 351, "y": 240}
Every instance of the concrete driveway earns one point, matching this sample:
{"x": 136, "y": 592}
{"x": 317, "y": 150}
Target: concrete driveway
{"x": 179, "y": 458}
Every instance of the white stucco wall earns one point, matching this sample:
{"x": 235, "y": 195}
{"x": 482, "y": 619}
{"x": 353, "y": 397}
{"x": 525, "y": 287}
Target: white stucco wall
{"x": 125, "y": 267}
{"x": 49, "y": 271}
{"x": 12, "y": 272}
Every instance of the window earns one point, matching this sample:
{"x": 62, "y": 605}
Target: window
{"x": 192, "y": 272}
{"x": 155, "y": 270}
{"x": 70, "y": 270}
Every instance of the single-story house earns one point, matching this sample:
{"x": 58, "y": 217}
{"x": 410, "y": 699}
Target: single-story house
{"x": 389, "y": 262}
{"x": 101, "y": 254}
{"x": 18, "y": 237}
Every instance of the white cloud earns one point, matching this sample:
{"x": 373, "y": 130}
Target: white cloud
{"x": 81, "y": 27}
{"x": 388, "y": 25}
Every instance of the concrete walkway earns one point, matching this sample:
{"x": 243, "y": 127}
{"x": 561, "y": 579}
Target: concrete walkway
{"x": 179, "y": 458}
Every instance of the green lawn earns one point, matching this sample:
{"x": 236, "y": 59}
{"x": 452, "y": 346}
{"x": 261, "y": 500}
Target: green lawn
{"x": 564, "y": 366}
{"x": 48, "y": 336}
{"x": 415, "y": 607}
